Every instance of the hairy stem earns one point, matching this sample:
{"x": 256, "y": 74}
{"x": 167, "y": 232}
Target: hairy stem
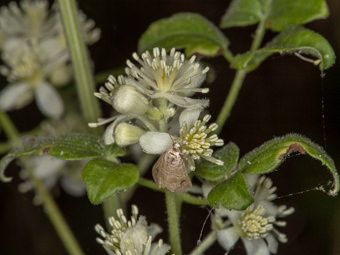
{"x": 80, "y": 61}
{"x": 83, "y": 76}
{"x": 56, "y": 218}
{"x": 239, "y": 77}
{"x": 203, "y": 246}
{"x": 173, "y": 222}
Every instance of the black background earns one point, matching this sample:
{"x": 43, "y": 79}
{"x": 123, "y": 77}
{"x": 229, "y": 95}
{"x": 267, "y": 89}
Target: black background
{"x": 284, "y": 95}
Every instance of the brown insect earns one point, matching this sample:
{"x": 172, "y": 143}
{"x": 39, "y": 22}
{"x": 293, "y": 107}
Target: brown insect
{"x": 170, "y": 171}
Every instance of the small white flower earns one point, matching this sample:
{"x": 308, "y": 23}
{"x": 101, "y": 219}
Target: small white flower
{"x": 168, "y": 76}
{"x": 131, "y": 237}
{"x": 255, "y": 226}
{"x": 33, "y": 19}
{"x": 27, "y": 72}
{"x": 50, "y": 170}
{"x": 194, "y": 138}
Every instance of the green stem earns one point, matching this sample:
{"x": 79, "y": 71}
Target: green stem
{"x": 239, "y": 77}
{"x": 56, "y": 218}
{"x": 9, "y": 128}
{"x": 190, "y": 199}
{"x": 110, "y": 207}
{"x": 49, "y": 205}
{"x": 207, "y": 242}
{"x": 146, "y": 122}
{"x": 231, "y": 99}
{"x": 149, "y": 184}
{"x": 80, "y": 61}
{"x": 173, "y": 222}
{"x": 83, "y": 75}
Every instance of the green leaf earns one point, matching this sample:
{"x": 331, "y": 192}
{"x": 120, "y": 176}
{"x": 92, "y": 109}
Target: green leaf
{"x": 270, "y": 155}
{"x": 233, "y": 194}
{"x": 184, "y": 30}
{"x": 229, "y": 154}
{"x": 242, "y": 13}
{"x": 103, "y": 178}
{"x": 284, "y": 13}
{"x": 294, "y": 40}
{"x": 67, "y": 147}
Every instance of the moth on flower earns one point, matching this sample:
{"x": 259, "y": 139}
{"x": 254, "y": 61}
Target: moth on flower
{"x": 194, "y": 142}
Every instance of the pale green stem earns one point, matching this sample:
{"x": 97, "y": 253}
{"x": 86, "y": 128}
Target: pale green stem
{"x": 49, "y": 205}
{"x": 5, "y": 147}
{"x": 110, "y": 207}
{"x": 9, "y": 128}
{"x": 83, "y": 74}
{"x": 239, "y": 78}
{"x": 56, "y": 218}
{"x": 80, "y": 61}
{"x": 230, "y": 100}
{"x": 173, "y": 222}
{"x": 146, "y": 122}
{"x": 163, "y": 107}
{"x": 205, "y": 244}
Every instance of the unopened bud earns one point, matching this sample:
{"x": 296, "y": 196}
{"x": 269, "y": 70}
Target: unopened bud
{"x": 126, "y": 134}
{"x": 128, "y": 100}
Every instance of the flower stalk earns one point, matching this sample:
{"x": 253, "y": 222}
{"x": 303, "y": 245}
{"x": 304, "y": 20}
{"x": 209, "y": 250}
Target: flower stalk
{"x": 173, "y": 222}
{"x": 239, "y": 77}
{"x": 79, "y": 56}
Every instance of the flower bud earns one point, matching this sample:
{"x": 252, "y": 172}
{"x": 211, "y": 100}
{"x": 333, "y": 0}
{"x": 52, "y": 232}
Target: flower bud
{"x": 128, "y": 100}
{"x": 126, "y": 134}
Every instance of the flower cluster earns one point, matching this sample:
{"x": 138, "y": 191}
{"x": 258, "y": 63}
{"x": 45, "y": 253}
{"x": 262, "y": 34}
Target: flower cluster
{"x": 35, "y": 55}
{"x": 255, "y": 226}
{"x": 131, "y": 237}
{"x": 155, "y": 106}
{"x": 51, "y": 170}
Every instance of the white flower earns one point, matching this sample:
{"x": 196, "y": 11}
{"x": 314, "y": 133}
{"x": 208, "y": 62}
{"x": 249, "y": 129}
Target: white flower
{"x": 168, "y": 76}
{"x": 27, "y": 71}
{"x": 33, "y": 19}
{"x": 194, "y": 138}
{"x": 131, "y": 237}
{"x": 50, "y": 170}
{"x": 255, "y": 226}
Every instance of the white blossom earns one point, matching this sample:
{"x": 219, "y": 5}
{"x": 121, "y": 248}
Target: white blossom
{"x": 131, "y": 237}
{"x": 255, "y": 226}
{"x": 194, "y": 138}
{"x": 170, "y": 76}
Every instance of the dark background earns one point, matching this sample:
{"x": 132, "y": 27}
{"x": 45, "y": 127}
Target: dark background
{"x": 284, "y": 95}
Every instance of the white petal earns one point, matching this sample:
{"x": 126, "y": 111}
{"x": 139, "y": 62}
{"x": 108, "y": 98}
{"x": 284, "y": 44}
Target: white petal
{"x": 272, "y": 243}
{"x": 15, "y": 96}
{"x": 155, "y": 142}
{"x": 45, "y": 166}
{"x": 108, "y": 134}
{"x": 227, "y": 237}
{"x": 134, "y": 238}
{"x": 256, "y": 247}
{"x": 72, "y": 186}
{"x": 189, "y": 116}
{"x": 154, "y": 229}
{"x": 48, "y": 100}
{"x": 181, "y": 101}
